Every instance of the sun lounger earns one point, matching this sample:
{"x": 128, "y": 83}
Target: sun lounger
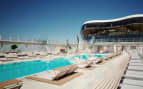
{"x": 2, "y": 56}
{"x": 108, "y": 57}
{"x": 58, "y": 82}
{"x": 6, "y": 60}
{"x": 23, "y": 55}
{"x": 11, "y": 55}
{"x": 92, "y": 58}
{"x": 40, "y": 53}
{"x": 31, "y": 54}
{"x": 11, "y": 84}
{"x": 105, "y": 58}
{"x": 85, "y": 64}
{"x": 72, "y": 69}
{"x": 98, "y": 60}
{"x": 116, "y": 54}
{"x": 43, "y": 53}
{"x": 81, "y": 63}
{"x": 57, "y": 73}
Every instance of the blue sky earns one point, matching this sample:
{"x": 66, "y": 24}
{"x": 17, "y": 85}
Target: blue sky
{"x": 58, "y": 19}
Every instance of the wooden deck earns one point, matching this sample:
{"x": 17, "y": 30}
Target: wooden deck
{"x": 10, "y": 82}
{"x": 60, "y": 81}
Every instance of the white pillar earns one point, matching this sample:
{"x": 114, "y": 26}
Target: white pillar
{"x": 115, "y": 48}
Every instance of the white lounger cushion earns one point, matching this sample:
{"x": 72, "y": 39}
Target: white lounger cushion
{"x": 72, "y": 68}
{"x": 92, "y": 58}
{"x": 24, "y": 57}
{"x": 97, "y": 60}
{"x": 11, "y": 55}
{"x": 81, "y": 63}
{"x": 77, "y": 61}
{"x": 57, "y": 73}
{"x": 2, "y": 55}
{"x": 51, "y": 74}
{"x": 43, "y": 53}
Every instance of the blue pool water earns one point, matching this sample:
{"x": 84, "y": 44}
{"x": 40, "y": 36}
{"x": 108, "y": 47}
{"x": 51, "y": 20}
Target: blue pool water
{"x": 99, "y": 55}
{"x": 85, "y": 57}
{"x": 20, "y": 69}
{"x": 56, "y": 63}
{"x": 15, "y": 70}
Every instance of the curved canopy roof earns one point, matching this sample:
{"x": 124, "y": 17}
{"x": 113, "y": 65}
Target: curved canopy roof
{"x": 132, "y": 24}
{"x": 114, "y": 20}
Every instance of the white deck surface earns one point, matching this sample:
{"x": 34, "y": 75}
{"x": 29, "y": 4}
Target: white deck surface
{"x": 88, "y": 80}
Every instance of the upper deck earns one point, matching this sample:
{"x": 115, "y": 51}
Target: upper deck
{"x": 121, "y": 28}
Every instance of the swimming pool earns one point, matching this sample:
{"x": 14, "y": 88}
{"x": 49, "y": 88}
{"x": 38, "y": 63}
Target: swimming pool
{"x": 20, "y": 69}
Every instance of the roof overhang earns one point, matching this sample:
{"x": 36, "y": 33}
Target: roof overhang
{"x": 114, "y": 20}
